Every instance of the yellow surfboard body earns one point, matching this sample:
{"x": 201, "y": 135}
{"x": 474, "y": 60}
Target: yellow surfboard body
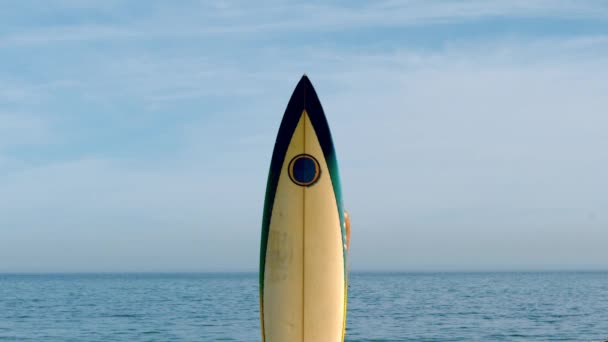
{"x": 303, "y": 257}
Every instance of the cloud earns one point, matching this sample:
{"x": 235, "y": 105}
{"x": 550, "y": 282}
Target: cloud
{"x": 241, "y": 18}
{"x": 22, "y": 129}
{"x": 81, "y": 33}
{"x": 468, "y": 142}
{"x": 470, "y": 147}
{"x": 93, "y": 214}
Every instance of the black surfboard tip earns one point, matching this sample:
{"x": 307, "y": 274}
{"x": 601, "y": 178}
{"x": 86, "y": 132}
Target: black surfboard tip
{"x": 304, "y": 85}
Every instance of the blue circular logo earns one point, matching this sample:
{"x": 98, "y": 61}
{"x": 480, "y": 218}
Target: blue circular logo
{"x": 304, "y": 170}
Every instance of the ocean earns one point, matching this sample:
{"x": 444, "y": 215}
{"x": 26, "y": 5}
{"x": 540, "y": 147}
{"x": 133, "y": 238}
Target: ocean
{"x": 528, "y": 306}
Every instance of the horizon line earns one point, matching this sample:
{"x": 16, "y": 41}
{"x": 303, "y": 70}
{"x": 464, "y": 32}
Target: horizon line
{"x": 360, "y": 271}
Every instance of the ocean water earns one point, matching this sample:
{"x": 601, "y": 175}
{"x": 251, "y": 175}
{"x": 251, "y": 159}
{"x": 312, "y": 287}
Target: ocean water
{"x": 382, "y": 307}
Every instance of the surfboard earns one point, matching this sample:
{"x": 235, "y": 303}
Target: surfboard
{"x": 303, "y": 254}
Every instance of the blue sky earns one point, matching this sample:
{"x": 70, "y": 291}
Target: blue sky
{"x": 136, "y": 136}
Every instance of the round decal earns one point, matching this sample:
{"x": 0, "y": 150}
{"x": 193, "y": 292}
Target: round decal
{"x": 304, "y": 170}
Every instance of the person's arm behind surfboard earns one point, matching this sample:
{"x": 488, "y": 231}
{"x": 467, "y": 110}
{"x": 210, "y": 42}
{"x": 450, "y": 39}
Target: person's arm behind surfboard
{"x": 347, "y": 223}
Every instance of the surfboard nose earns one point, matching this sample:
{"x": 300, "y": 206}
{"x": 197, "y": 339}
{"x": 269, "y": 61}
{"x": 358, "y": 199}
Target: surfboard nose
{"x": 305, "y": 79}
{"x": 304, "y": 88}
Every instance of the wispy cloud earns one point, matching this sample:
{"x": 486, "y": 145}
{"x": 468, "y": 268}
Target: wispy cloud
{"x": 242, "y": 18}
{"x": 22, "y": 129}
{"x": 54, "y": 35}
{"x": 166, "y": 117}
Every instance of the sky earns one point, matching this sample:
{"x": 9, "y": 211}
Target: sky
{"x": 137, "y": 136}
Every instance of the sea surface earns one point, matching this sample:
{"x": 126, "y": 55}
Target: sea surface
{"x": 382, "y": 307}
